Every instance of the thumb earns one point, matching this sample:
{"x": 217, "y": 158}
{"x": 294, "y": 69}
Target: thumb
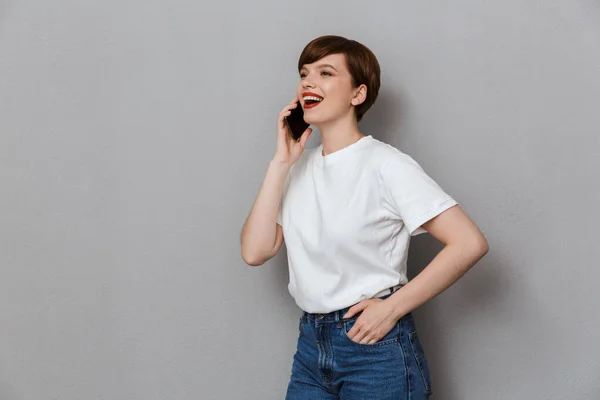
{"x": 305, "y": 136}
{"x": 358, "y": 307}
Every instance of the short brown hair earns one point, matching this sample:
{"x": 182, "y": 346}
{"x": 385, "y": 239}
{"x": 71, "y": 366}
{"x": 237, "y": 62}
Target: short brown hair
{"x": 361, "y": 62}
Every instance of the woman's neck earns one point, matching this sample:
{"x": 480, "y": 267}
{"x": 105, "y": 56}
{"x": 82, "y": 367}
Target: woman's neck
{"x": 339, "y": 134}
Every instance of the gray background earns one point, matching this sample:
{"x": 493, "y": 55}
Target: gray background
{"x": 134, "y": 136}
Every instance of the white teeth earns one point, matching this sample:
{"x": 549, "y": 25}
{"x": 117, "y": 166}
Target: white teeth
{"x": 312, "y": 98}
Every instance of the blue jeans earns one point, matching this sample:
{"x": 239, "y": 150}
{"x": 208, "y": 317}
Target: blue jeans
{"x": 329, "y": 365}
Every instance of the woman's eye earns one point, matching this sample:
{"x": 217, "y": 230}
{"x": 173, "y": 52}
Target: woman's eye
{"x": 303, "y": 74}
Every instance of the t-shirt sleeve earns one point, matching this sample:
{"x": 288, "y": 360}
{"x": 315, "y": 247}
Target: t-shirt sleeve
{"x": 411, "y": 194}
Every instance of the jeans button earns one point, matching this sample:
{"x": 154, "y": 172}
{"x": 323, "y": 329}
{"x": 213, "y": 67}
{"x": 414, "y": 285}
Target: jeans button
{"x": 320, "y": 316}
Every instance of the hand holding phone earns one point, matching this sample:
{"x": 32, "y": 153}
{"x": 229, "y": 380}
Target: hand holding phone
{"x": 295, "y": 122}
{"x": 292, "y": 133}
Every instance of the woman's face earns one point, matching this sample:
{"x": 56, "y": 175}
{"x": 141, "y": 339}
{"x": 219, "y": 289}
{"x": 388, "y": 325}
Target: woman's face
{"x": 325, "y": 90}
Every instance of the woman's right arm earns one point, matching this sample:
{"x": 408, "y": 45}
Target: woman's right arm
{"x": 262, "y": 236}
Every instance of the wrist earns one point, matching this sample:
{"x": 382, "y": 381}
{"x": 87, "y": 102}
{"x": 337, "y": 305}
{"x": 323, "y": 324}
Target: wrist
{"x": 279, "y": 163}
{"x": 396, "y": 306}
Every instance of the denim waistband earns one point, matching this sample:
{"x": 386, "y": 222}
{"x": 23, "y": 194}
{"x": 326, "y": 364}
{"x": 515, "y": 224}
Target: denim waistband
{"x": 338, "y": 315}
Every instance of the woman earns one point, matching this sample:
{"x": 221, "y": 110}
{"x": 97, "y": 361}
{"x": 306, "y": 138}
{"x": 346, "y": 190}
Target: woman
{"x": 347, "y": 210}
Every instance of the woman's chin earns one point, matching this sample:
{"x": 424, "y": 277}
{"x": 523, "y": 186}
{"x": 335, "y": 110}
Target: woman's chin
{"x": 321, "y": 119}
{"x": 313, "y": 120}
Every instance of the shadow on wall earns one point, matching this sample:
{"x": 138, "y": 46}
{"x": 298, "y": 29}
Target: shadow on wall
{"x": 481, "y": 293}
{"x": 385, "y": 118}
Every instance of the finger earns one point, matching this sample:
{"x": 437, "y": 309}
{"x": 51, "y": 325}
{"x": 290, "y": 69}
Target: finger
{"x": 357, "y": 332}
{"x": 355, "y": 309}
{"x": 350, "y": 313}
{"x": 288, "y": 107}
{"x": 282, "y": 116}
{"x": 305, "y": 136}
{"x": 361, "y": 337}
{"x": 365, "y": 340}
{"x": 368, "y": 338}
{"x": 291, "y": 105}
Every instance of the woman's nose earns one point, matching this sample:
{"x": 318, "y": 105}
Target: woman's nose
{"x": 307, "y": 84}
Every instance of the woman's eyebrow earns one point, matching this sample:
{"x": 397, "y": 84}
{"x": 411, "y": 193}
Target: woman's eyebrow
{"x": 322, "y": 66}
{"x": 327, "y": 65}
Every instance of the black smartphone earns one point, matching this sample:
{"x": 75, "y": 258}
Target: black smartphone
{"x": 296, "y": 123}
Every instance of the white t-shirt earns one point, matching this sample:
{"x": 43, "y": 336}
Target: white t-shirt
{"x": 347, "y": 220}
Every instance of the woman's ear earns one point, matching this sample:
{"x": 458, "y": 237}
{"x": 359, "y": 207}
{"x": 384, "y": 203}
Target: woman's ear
{"x": 360, "y": 95}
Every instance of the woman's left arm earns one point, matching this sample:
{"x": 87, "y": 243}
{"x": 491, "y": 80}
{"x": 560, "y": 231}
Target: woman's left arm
{"x": 464, "y": 246}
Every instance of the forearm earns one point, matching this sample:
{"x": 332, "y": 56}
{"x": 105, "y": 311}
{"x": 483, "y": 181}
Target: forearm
{"x": 258, "y": 235}
{"x": 451, "y": 263}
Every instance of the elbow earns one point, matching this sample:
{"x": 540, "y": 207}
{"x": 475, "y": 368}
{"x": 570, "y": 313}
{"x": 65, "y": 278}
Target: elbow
{"x": 249, "y": 253}
{"x": 481, "y": 247}
{"x": 252, "y": 260}
{"x": 473, "y": 248}
{"x": 256, "y": 253}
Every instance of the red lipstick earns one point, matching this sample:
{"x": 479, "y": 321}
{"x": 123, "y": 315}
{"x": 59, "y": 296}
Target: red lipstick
{"x": 312, "y": 104}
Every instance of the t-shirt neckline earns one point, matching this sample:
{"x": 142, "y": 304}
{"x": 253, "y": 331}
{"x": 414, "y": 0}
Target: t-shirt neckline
{"x": 341, "y": 153}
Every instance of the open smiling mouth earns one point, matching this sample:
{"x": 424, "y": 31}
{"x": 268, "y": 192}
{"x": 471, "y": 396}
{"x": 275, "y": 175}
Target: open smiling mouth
{"x": 311, "y": 100}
